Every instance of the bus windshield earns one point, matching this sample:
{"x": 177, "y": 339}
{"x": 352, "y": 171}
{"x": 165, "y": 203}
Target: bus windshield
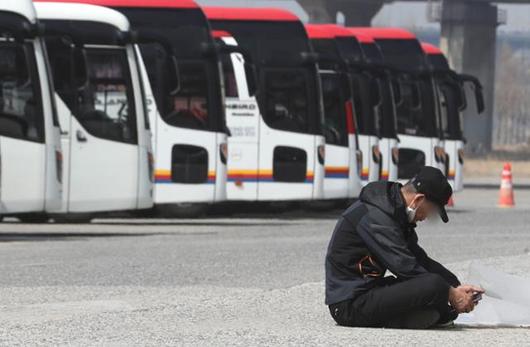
{"x": 335, "y": 127}
{"x": 365, "y": 102}
{"x": 104, "y": 103}
{"x": 349, "y": 48}
{"x": 449, "y": 111}
{"x": 198, "y": 102}
{"x": 387, "y": 119}
{"x": 416, "y": 107}
{"x": 289, "y": 94}
{"x": 21, "y": 113}
{"x": 450, "y": 115}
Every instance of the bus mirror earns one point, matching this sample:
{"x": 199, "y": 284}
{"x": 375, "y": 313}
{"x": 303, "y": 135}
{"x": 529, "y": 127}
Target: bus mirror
{"x": 81, "y": 67}
{"x": 37, "y": 29}
{"x": 208, "y": 49}
{"x": 309, "y": 57}
{"x": 479, "y": 97}
{"x": 460, "y": 95}
{"x": 173, "y": 76}
{"x": 131, "y": 37}
{"x": 21, "y": 56}
{"x": 396, "y": 89}
{"x": 376, "y": 91}
{"x": 416, "y": 95}
{"x": 345, "y": 85}
{"x": 251, "y": 75}
{"x": 477, "y": 88}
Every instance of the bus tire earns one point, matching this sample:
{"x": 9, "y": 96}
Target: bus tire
{"x": 34, "y": 218}
{"x": 321, "y": 205}
{"x": 182, "y": 210}
{"x": 281, "y": 206}
{"x": 146, "y": 213}
{"x": 72, "y": 219}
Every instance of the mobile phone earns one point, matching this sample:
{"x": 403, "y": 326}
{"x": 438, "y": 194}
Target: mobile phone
{"x": 477, "y": 297}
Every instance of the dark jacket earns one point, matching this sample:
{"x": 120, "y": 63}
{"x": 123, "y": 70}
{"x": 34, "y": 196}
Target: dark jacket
{"x": 371, "y": 236}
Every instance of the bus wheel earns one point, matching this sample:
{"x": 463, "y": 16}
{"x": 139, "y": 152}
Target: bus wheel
{"x": 281, "y": 206}
{"x": 182, "y": 210}
{"x": 72, "y": 219}
{"x": 147, "y": 213}
{"x": 344, "y": 203}
{"x": 34, "y": 218}
{"x": 320, "y": 205}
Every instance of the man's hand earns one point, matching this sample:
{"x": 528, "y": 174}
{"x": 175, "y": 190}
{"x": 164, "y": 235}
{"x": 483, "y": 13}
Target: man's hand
{"x": 461, "y": 297}
{"x": 472, "y": 288}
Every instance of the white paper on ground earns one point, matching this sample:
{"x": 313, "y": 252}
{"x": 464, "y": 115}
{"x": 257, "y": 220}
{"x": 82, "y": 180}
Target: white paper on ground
{"x": 505, "y": 303}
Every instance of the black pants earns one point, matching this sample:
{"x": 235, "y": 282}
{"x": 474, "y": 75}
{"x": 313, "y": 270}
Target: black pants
{"x": 392, "y": 299}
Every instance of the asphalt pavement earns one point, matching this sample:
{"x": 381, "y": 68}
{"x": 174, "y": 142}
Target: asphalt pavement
{"x": 250, "y": 279}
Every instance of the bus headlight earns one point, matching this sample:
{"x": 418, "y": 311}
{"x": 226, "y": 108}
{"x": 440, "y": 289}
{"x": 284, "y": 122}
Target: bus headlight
{"x": 322, "y": 154}
{"x": 223, "y": 151}
{"x": 59, "y": 165}
{"x": 461, "y": 156}
{"x": 395, "y": 155}
{"x": 439, "y": 154}
{"x": 376, "y": 154}
{"x": 359, "y": 157}
{"x": 150, "y": 165}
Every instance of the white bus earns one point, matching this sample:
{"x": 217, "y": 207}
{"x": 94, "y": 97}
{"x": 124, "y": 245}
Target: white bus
{"x": 344, "y": 163}
{"x": 452, "y": 102}
{"x": 389, "y": 140}
{"x": 30, "y": 147}
{"x": 277, "y": 151}
{"x": 418, "y": 118}
{"x": 186, "y": 106}
{"x": 105, "y": 132}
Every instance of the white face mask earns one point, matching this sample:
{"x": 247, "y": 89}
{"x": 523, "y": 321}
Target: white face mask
{"x": 411, "y": 213}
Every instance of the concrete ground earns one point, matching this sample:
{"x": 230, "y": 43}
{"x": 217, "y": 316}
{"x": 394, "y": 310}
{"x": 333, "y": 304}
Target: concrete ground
{"x": 246, "y": 280}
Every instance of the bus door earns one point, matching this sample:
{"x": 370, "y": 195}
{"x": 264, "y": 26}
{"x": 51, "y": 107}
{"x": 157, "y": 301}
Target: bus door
{"x": 389, "y": 141}
{"x": 145, "y": 137}
{"x": 452, "y": 102}
{"x": 415, "y": 135}
{"x": 242, "y": 118}
{"x": 187, "y": 150}
{"x": 289, "y": 157}
{"x": 366, "y": 100}
{"x": 103, "y": 136}
{"x": 23, "y": 151}
{"x": 335, "y": 87}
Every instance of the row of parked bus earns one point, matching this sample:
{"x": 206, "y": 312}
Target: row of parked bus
{"x": 161, "y": 105}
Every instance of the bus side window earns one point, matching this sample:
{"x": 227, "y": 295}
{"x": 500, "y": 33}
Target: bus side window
{"x": 286, "y": 100}
{"x": 105, "y": 105}
{"x": 21, "y": 113}
{"x": 335, "y": 130}
{"x": 229, "y": 76}
{"x": 188, "y": 108}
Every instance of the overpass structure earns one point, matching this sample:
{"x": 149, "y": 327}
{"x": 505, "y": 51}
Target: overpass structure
{"x": 468, "y": 38}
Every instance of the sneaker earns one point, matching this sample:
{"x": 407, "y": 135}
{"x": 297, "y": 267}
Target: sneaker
{"x": 419, "y": 319}
{"x": 447, "y": 318}
{"x": 445, "y": 325}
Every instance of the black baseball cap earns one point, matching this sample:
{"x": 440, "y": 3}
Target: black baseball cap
{"x": 431, "y": 182}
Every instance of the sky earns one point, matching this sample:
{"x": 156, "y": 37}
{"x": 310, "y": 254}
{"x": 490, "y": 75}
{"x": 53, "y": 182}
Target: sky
{"x": 414, "y": 14}
{"x": 405, "y": 14}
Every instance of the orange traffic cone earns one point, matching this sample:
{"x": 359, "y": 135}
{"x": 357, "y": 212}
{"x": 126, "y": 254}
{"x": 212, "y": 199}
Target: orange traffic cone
{"x": 451, "y": 202}
{"x": 506, "y": 191}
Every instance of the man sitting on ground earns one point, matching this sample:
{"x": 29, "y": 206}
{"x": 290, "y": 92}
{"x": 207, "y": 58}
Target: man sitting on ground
{"x": 376, "y": 234}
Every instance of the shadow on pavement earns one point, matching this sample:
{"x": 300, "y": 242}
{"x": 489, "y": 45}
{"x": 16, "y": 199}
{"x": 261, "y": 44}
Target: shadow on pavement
{"x": 62, "y": 236}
